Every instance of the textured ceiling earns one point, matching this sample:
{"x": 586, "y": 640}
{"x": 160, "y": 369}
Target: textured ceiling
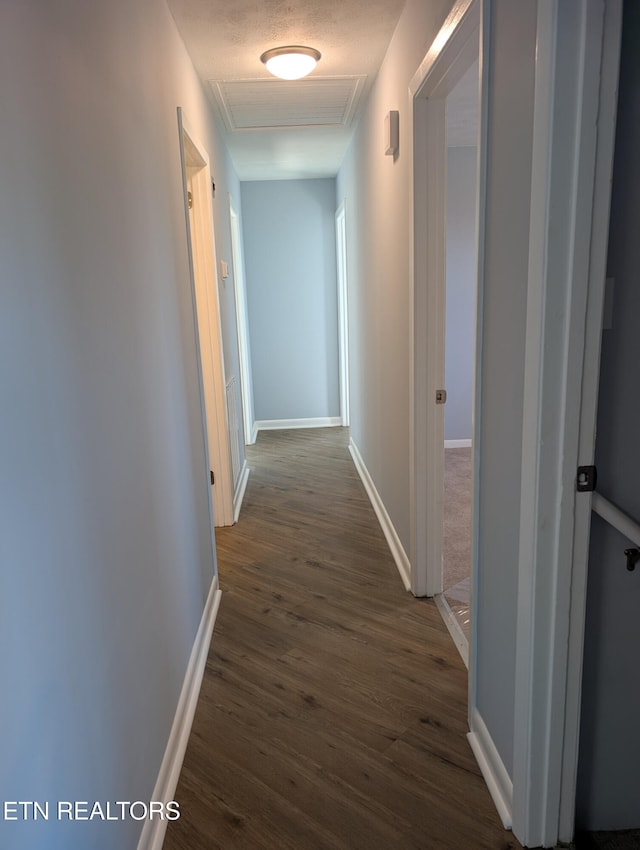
{"x": 277, "y": 129}
{"x": 225, "y": 39}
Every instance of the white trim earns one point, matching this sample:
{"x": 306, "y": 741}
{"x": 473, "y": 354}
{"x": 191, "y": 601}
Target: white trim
{"x": 153, "y": 831}
{"x": 241, "y": 486}
{"x": 454, "y": 627}
{"x": 483, "y": 148}
{"x": 343, "y": 311}
{"x": 286, "y": 424}
{"x": 458, "y": 444}
{"x": 565, "y": 132}
{"x": 492, "y": 767}
{"x": 242, "y": 323}
{"x": 254, "y": 432}
{"x": 391, "y": 535}
{"x": 454, "y": 40}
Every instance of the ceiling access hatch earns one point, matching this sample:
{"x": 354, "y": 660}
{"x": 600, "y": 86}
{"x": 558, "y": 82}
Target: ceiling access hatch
{"x": 312, "y": 102}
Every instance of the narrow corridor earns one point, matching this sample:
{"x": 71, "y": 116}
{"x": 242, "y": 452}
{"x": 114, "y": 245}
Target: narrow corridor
{"x": 333, "y": 707}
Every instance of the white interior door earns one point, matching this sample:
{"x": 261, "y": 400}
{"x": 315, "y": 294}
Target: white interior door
{"x": 612, "y": 28}
{"x": 201, "y": 246}
{"x": 343, "y": 312}
{"x": 242, "y": 325}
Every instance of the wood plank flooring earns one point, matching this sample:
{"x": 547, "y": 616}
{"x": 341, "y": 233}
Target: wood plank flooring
{"x": 333, "y": 707}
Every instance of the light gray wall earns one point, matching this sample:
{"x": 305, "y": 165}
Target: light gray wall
{"x": 608, "y": 796}
{"x": 290, "y": 259}
{"x": 105, "y": 546}
{"x": 377, "y": 189}
{"x": 461, "y": 292}
{"x": 510, "y": 123}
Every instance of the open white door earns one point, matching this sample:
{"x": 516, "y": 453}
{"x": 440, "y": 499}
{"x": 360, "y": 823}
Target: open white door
{"x": 577, "y": 58}
{"x": 605, "y": 143}
{"x": 242, "y": 325}
{"x": 199, "y": 215}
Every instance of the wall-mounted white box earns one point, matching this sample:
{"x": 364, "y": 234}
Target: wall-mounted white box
{"x": 392, "y": 132}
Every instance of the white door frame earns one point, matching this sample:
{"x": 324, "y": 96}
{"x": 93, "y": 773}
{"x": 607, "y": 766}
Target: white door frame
{"x": 343, "y": 312}
{"x": 204, "y": 286}
{"x": 574, "y": 126}
{"x": 451, "y": 55}
{"x": 242, "y": 325}
{"x": 589, "y": 400}
{"x": 577, "y": 59}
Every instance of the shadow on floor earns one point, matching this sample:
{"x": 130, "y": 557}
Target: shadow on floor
{"x": 628, "y": 839}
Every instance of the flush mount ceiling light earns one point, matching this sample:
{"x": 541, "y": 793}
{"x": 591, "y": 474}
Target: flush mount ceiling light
{"x": 292, "y": 62}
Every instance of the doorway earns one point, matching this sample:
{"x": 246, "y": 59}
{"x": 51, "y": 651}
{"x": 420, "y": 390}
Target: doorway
{"x": 445, "y": 101}
{"x": 343, "y": 312}
{"x": 460, "y": 325}
{"x": 202, "y": 266}
{"x": 242, "y": 326}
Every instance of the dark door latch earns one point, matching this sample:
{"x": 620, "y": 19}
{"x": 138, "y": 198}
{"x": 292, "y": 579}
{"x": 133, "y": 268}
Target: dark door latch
{"x": 633, "y": 556}
{"x": 587, "y": 479}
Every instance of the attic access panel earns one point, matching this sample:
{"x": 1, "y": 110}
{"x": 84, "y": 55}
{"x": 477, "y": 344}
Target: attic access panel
{"x": 264, "y": 104}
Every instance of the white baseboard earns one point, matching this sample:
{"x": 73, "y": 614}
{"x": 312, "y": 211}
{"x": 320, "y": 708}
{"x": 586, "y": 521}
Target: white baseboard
{"x": 458, "y": 444}
{"x": 493, "y": 770}
{"x": 153, "y": 831}
{"x": 285, "y": 424}
{"x": 454, "y": 627}
{"x": 397, "y": 550}
{"x": 238, "y": 496}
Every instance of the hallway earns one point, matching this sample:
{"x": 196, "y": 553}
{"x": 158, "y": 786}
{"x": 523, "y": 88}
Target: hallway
{"x": 333, "y": 709}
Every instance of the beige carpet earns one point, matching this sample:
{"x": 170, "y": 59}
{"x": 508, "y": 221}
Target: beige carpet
{"x": 457, "y": 515}
{"x": 457, "y": 533}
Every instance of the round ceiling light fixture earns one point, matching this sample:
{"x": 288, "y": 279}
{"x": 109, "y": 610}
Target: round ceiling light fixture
{"x": 292, "y": 62}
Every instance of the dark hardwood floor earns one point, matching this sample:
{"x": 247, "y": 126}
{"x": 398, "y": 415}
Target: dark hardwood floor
{"x": 333, "y": 707}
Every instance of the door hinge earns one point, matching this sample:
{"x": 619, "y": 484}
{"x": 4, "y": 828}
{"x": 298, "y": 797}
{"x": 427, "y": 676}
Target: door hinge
{"x": 190, "y": 200}
{"x": 587, "y": 479}
{"x": 441, "y": 396}
{"x": 212, "y": 476}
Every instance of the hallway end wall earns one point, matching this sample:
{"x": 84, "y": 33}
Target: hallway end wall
{"x": 290, "y": 266}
